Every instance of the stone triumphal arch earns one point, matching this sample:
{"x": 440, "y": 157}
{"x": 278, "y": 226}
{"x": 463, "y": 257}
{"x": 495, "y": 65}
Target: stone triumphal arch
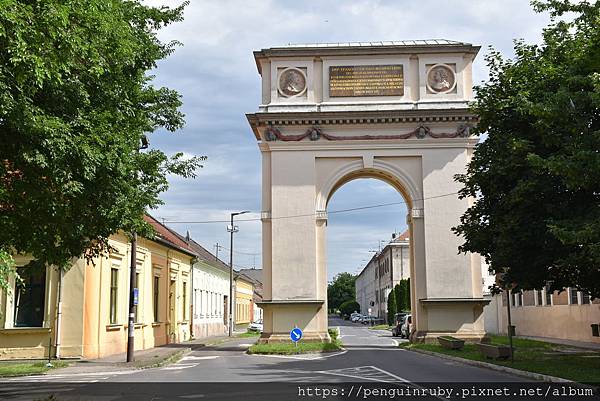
{"x": 396, "y": 111}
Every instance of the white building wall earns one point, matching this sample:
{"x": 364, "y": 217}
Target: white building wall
{"x": 211, "y": 288}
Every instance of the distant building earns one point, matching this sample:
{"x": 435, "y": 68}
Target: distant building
{"x": 243, "y": 313}
{"x": 94, "y": 308}
{"x": 385, "y": 269}
{"x": 569, "y": 315}
{"x": 257, "y": 276}
{"x": 210, "y": 302}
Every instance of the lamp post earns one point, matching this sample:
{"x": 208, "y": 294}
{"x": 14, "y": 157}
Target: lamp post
{"x": 132, "y": 288}
{"x": 232, "y": 229}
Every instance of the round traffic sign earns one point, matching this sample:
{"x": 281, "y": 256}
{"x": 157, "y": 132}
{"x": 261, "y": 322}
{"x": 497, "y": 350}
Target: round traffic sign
{"x": 296, "y": 334}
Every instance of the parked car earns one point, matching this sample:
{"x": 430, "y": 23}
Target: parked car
{"x": 256, "y": 326}
{"x": 398, "y": 322}
{"x": 369, "y": 320}
{"x": 406, "y": 327}
{"x": 356, "y": 318}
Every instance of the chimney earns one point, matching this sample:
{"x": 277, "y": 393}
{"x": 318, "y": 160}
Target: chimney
{"x": 187, "y": 236}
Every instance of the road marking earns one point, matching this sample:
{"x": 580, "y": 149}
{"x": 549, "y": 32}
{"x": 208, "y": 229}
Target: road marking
{"x": 199, "y": 358}
{"x": 304, "y": 357}
{"x": 180, "y": 366}
{"x": 372, "y": 373}
{"x": 386, "y": 348}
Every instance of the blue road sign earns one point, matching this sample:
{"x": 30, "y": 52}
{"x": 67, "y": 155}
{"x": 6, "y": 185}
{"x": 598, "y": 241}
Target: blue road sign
{"x": 296, "y": 334}
{"x": 136, "y": 293}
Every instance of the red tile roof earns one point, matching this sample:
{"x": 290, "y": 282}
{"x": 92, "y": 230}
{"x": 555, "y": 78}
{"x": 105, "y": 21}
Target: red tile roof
{"x": 163, "y": 233}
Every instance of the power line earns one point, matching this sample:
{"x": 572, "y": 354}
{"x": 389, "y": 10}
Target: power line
{"x": 240, "y": 252}
{"x": 313, "y": 214}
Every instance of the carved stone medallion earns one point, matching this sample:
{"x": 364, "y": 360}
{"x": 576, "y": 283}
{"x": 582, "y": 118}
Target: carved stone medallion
{"x": 292, "y": 82}
{"x": 441, "y": 79}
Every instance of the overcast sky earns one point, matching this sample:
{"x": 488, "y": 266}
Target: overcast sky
{"x": 217, "y": 77}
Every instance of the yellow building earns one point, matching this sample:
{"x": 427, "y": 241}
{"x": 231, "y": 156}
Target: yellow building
{"x": 244, "y": 303}
{"x": 95, "y": 302}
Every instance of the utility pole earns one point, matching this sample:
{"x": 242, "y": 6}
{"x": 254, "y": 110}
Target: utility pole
{"x": 232, "y": 229}
{"x": 217, "y": 248}
{"x": 132, "y": 289}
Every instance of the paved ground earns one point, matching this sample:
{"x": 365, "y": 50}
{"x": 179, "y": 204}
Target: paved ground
{"x": 371, "y": 356}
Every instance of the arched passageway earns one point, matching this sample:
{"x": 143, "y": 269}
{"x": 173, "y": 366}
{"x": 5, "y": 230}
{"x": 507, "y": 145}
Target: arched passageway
{"x": 332, "y": 114}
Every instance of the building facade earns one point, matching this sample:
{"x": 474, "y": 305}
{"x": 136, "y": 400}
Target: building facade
{"x": 568, "y": 315}
{"x": 385, "y": 269}
{"x": 94, "y": 302}
{"x": 211, "y": 294}
{"x": 256, "y": 276}
{"x": 243, "y": 313}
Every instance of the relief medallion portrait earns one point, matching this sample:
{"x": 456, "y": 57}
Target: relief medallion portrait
{"x": 292, "y": 82}
{"x": 441, "y": 79}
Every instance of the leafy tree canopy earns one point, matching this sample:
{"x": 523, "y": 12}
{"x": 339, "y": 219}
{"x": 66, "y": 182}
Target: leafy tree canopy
{"x": 536, "y": 178}
{"x": 348, "y": 307}
{"x": 340, "y": 290}
{"x": 75, "y": 101}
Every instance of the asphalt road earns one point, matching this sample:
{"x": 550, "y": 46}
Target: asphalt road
{"x": 370, "y": 356}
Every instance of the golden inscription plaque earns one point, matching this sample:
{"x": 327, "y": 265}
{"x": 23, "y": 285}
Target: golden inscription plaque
{"x": 366, "y": 80}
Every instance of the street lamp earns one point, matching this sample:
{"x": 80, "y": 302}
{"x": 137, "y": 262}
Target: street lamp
{"x": 232, "y": 229}
{"x": 133, "y": 291}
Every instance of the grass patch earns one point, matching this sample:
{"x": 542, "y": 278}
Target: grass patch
{"x": 333, "y": 333}
{"x": 291, "y": 349}
{"x": 532, "y": 356}
{"x": 8, "y": 369}
{"x": 249, "y": 333}
{"x": 380, "y": 327}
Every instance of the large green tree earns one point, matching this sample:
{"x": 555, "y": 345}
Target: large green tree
{"x": 340, "y": 290}
{"x": 76, "y": 99}
{"x": 536, "y": 178}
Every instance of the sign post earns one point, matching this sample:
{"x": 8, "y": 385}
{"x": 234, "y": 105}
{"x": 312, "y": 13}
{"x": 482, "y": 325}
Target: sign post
{"x": 296, "y": 335}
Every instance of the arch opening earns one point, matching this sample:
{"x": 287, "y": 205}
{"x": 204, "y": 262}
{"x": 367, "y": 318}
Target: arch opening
{"x": 371, "y": 244}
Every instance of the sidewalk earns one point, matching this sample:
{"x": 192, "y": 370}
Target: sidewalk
{"x": 143, "y": 359}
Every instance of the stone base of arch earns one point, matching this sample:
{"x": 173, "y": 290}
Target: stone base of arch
{"x": 281, "y": 315}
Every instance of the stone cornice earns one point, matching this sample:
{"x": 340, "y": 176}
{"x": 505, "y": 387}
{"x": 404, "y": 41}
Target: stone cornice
{"x": 418, "y": 117}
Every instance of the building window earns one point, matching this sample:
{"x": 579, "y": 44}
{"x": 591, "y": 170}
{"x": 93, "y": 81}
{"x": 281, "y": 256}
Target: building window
{"x": 573, "y": 296}
{"x": 517, "y": 299}
{"x": 548, "y": 296}
{"x": 184, "y": 311}
{"x": 155, "y": 289}
{"x": 136, "y": 284}
{"x": 30, "y": 295}
{"x": 114, "y": 288}
{"x": 585, "y": 298}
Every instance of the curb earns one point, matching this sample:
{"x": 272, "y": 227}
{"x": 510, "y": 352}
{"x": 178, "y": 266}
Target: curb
{"x": 166, "y": 361}
{"x": 499, "y": 368}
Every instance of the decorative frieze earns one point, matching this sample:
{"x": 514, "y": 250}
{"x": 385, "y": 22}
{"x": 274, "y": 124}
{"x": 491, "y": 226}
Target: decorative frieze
{"x": 315, "y": 133}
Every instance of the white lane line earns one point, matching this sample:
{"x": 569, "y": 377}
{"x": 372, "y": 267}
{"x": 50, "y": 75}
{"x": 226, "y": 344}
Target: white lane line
{"x": 367, "y": 348}
{"x": 303, "y": 357}
{"x": 180, "y": 366}
{"x": 390, "y": 374}
{"x": 199, "y": 358}
{"x": 364, "y": 373}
